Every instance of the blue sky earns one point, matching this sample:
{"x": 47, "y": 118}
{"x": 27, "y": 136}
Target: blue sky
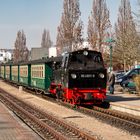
{"x": 33, "y": 16}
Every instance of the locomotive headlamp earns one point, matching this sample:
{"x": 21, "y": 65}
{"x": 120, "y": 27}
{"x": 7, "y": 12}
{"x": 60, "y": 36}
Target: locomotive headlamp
{"x": 85, "y": 52}
{"x": 93, "y": 75}
{"x": 73, "y": 76}
{"x": 101, "y": 75}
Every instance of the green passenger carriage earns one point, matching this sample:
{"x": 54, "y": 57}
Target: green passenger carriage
{"x": 15, "y": 73}
{"x": 2, "y": 71}
{"x": 8, "y": 72}
{"x": 25, "y": 74}
{"x": 41, "y": 75}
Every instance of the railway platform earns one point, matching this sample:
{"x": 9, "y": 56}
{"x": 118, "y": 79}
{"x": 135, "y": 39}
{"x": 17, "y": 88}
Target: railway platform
{"x": 125, "y": 102}
{"x": 12, "y": 128}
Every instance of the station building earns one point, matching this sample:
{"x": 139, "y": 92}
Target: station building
{"x": 6, "y": 55}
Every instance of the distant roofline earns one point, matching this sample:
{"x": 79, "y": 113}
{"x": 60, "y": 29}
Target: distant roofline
{"x": 6, "y": 49}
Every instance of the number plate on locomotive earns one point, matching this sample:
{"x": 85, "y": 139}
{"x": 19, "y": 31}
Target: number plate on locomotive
{"x": 87, "y": 75}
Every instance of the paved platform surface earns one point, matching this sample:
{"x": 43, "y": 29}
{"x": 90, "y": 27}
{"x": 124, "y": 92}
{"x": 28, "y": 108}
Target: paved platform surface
{"x": 125, "y": 102}
{"x": 11, "y": 128}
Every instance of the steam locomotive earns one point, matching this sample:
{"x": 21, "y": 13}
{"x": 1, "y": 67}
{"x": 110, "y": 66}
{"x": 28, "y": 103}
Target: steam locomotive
{"x": 77, "y": 77}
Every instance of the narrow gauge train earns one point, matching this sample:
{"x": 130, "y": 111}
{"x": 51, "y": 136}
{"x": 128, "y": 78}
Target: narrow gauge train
{"x": 77, "y": 77}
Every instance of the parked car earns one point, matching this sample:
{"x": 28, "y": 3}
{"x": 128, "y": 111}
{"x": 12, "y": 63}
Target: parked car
{"x": 118, "y": 76}
{"x": 128, "y": 77}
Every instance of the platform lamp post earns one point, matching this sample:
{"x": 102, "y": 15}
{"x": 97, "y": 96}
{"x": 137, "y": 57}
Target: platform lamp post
{"x": 110, "y": 41}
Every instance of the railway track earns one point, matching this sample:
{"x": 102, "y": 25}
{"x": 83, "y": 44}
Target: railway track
{"x": 124, "y": 121}
{"x": 118, "y": 119}
{"x": 45, "y": 125}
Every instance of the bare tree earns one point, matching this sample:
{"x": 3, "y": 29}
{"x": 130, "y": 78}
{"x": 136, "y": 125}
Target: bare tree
{"x": 127, "y": 39}
{"x": 60, "y": 40}
{"x": 46, "y": 40}
{"x": 138, "y": 14}
{"x": 138, "y": 26}
{"x": 70, "y": 28}
{"x": 21, "y": 52}
{"x": 77, "y": 33}
{"x": 92, "y": 34}
{"x": 98, "y": 24}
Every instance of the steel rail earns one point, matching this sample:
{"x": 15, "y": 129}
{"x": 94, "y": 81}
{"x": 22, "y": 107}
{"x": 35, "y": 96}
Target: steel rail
{"x": 66, "y": 126}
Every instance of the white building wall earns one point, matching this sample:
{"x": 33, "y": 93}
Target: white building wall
{"x": 5, "y": 55}
{"x": 52, "y": 52}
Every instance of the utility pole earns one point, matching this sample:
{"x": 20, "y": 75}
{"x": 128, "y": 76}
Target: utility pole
{"x": 110, "y": 41}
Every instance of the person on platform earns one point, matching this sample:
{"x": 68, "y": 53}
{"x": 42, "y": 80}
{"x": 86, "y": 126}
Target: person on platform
{"x": 111, "y": 82}
{"x": 58, "y": 92}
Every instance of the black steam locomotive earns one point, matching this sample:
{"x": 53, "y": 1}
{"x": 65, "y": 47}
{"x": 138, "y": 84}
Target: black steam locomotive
{"x": 81, "y": 78}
